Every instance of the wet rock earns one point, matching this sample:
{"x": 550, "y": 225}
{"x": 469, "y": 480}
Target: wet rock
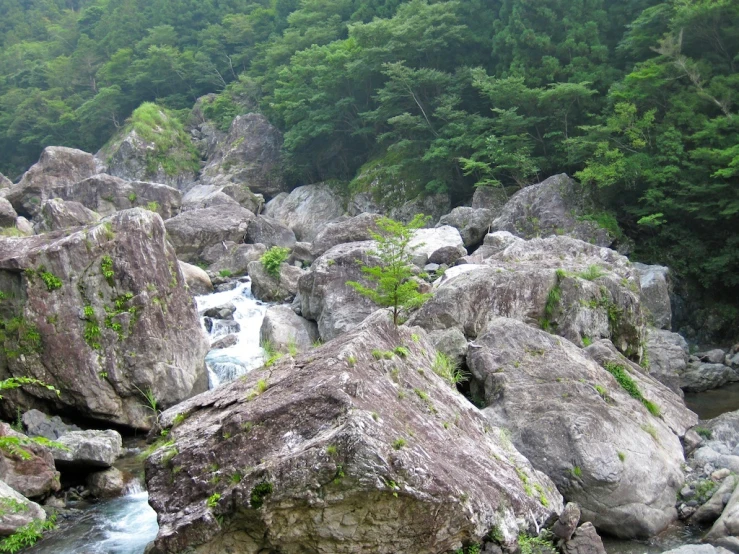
{"x": 584, "y": 541}
{"x": 282, "y": 327}
{"x": 355, "y": 229}
{"x": 106, "y": 484}
{"x": 472, "y": 224}
{"x": 269, "y": 232}
{"x": 330, "y": 458}
{"x": 89, "y": 448}
{"x": 237, "y": 257}
{"x": 567, "y": 522}
{"x": 17, "y": 511}
{"x": 697, "y": 549}
{"x": 221, "y": 327}
{"x": 193, "y": 231}
{"x": 268, "y": 288}
{"x": 57, "y": 214}
{"x": 248, "y": 155}
{"x": 306, "y": 210}
{"x": 655, "y": 294}
{"x": 102, "y": 314}
{"x": 197, "y": 279}
{"x": 38, "y": 424}
{"x": 226, "y": 342}
{"x": 32, "y": 473}
{"x": 7, "y": 214}
{"x": 221, "y": 312}
{"x": 603, "y": 448}
{"x": 668, "y": 357}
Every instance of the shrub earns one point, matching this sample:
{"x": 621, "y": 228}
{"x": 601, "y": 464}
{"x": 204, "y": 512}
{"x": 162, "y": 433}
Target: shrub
{"x": 448, "y": 369}
{"x": 273, "y": 258}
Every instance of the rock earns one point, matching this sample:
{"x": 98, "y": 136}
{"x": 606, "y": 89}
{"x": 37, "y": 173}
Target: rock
{"x": 237, "y": 257}
{"x": 301, "y": 254}
{"x": 720, "y": 474}
{"x": 434, "y": 206}
{"x": 38, "y": 424}
{"x": 490, "y": 198}
{"x": 193, "y": 231}
{"x": 101, "y": 314}
{"x": 714, "y": 356}
{"x": 450, "y": 342}
{"x": 24, "y": 227}
{"x": 724, "y": 429}
{"x": 355, "y": 229}
{"x": 226, "y": 311}
{"x": 7, "y": 213}
{"x": 226, "y": 342}
{"x": 266, "y": 287}
{"x": 89, "y": 448}
{"x": 493, "y": 244}
{"x": 196, "y": 279}
{"x": 269, "y": 232}
{"x": 567, "y": 522}
{"x": 711, "y": 510}
{"x": 441, "y": 245}
{"x": 248, "y": 155}
{"x": 106, "y": 484}
{"x": 691, "y": 440}
{"x": 17, "y": 511}
{"x": 585, "y": 541}
{"x": 697, "y": 549}
{"x": 331, "y": 459}
{"x": 5, "y": 182}
{"x": 699, "y": 376}
{"x": 32, "y": 474}
{"x": 57, "y": 167}
{"x": 554, "y": 206}
{"x": 306, "y": 210}
{"x": 326, "y": 298}
{"x": 621, "y": 464}
{"x": 725, "y": 532}
{"x": 732, "y": 357}
{"x": 207, "y": 196}
{"x": 595, "y": 294}
{"x": 668, "y": 357}
{"x": 472, "y": 224}
{"x": 56, "y": 214}
{"x": 655, "y": 294}
{"x": 282, "y": 327}
{"x": 220, "y": 327}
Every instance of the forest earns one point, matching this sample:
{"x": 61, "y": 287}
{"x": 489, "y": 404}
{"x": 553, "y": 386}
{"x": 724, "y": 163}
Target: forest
{"x": 635, "y": 98}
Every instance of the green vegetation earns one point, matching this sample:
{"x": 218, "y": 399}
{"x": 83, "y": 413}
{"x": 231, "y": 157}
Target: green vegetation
{"x": 19, "y": 337}
{"x": 273, "y": 258}
{"x": 272, "y": 355}
{"x": 106, "y": 267}
{"x": 259, "y": 493}
{"x": 212, "y": 501}
{"x": 629, "y": 385}
{"x": 51, "y": 281}
{"x": 152, "y": 206}
{"x": 553, "y": 299}
{"x": 536, "y": 545}
{"x": 399, "y": 443}
{"x": 27, "y": 535}
{"x": 132, "y": 198}
{"x": 150, "y": 402}
{"x": 225, "y": 273}
{"x": 448, "y": 369}
{"x": 392, "y": 283}
{"x": 592, "y": 273}
{"x": 703, "y": 432}
{"x": 92, "y": 329}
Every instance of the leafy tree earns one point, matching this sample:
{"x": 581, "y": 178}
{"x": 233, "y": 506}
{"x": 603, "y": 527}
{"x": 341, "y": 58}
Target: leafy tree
{"x": 393, "y": 284}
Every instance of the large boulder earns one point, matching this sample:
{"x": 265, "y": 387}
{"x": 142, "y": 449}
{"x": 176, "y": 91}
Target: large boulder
{"x": 558, "y": 205}
{"x": 725, "y": 532}
{"x": 106, "y": 484}
{"x": 701, "y": 376}
{"x": 16, "y": 511}
{"x": 441, "y": 245}
{"x": 655, "y": 294}
{"x": 667, "y": 353}
{"x": 89, "y": 449}
{"x": 271, "y": 288}
{"x": 30, "y": 468}
{"x": 57, "y": 214}
{"x": 326, "y": 298}
{"x": 434, "y": 206}
{"x": 283, "y": 328}
{"x": 331, "y": 453}
{"x": 575, "y": 289}
{"x": 574, "y": 421}
{"x": 248, "y": 155}
{"x": 5, "y": 182}
{"x": 473, "y": 224}
{"x": 206, "y": 196}
{"x": 355, "y": 229}
{"x": 269, "y": 232}
{"x": 193, "y": 231}
{"x": 306, "y": 210}
{"x": 101, "y": 314}
{"x": 490, "y": 198}
{"x": 38, "y": 424}
{"x": 57, "y": 167}
{"x": 197, "y": 279}
{"x": 234, "y": 258}
{"x": 8, "y": 216}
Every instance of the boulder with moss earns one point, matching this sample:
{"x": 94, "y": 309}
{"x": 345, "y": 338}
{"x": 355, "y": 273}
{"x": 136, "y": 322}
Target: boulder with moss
{"x": 278, "y": 286}
{"x": 103, "y": 315}
{"x": 16, "y": 511}
{"x": 28, "y": 467}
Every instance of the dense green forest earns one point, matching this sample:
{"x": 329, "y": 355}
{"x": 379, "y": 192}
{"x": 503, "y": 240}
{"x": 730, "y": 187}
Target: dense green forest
{"x": 634, "y": 97}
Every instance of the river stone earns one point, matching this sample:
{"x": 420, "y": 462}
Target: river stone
{"x": 57, "y": 167}
{"x": 226, "y": 311}
{"x": 89, "y": 448}
{"x": 584, "y": 541}
{"x": 269, "y": 232}
{"x": 330, "y": 458}
{"x": 57, "y": 214}
{"x": 193, "y": 231}
{"x": 226, "y": 342}
{"x": 266, "y": 287}
{"x": 472, "y": 224}
{"x": 113, "y": 318}
{"x": 32, "y": 476}
{"x": 667, "y": 353}
{"x": 306, "y": 210}
{"x": 38, "y": 424}
{"x": 16, "y": 511}
{"x": 554, "y": 206}
{"x": 196, "y": 279}
{"x": 543, "y": 389}
{"x": 236, "y": 258}
{"x": 655, "y": 294}
{"x": 282, "y": 327}
{"x": 355, "y": 229}
{"x": 700, "y": 376}
{"x": 711, "y": 510}
{"x": 7, "y": 214}
{"x": 106, "y": 484}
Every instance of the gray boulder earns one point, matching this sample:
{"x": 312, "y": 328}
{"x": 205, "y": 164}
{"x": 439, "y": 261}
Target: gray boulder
{"x": 725, "y": 532}
{"x": 713, "y": 356}
{"x": 106, "y": 484}
{"x": 472, "y": 224}
{"x": 24, "y": 227}
{"x": 575, "y": 423}
{"x": 56, "y": 214}
{"x": 196, "y": 279}
{"x": 554, "y": 206}
{"x": 248, "y": 155}
{"x": 32, "y": 474}
{"x": 282, "y": 327}
{"x": 193, "y": 231}
{"x": 697, "y": 549}
{"x": 451, "y": 342}
{"x": 235, "y": 257}
{"x": 490, "y": 198}
{"x": 207, "y": 196}
{"x": 5, "y": 182}
{"x": 655, "y": 294}
{"x": 566, "y": 524}
{"x": 441, "y": 245}
{"x": 89, "y": 448}
{"x": 7, "y": 214}
{"x": 102, "y": 314}
{"x": 17, "y": 511}
{"x": 268, "y": 288}
{"x": 306, "y": 210}
{"x": 269, "y": 232}
{"x": 732, "y": 357}
{"x": 584, "y": 541}
{"x": 700, "y": 376}
{"x": 711, "y": 510}
{"x": 667, "y": 353}
{"x": 38, "y": 424}
{"x": 434, "y": 206}
{"x": 332, "y": 455}
{"x": 355, "y": 229}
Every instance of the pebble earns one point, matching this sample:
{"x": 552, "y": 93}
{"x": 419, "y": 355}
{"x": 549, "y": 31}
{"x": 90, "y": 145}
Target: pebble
{"x": 720, "y": 474}
{"x": 687, "y": 492}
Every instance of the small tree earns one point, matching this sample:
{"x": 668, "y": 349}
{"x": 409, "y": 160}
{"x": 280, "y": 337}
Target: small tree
{"x": 393, "y": 286}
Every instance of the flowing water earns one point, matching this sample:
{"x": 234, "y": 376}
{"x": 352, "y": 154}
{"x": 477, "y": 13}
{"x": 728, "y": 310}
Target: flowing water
{"x": 127, "y": 524}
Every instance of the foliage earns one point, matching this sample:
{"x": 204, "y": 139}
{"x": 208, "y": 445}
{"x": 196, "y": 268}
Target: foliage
{"x": 259, "y": 493}
{"x": 448, "y": 369}
{"x": 150, "y": 402}
{"x": 541, "y": 544}
{"x": 106, "y": 267}
{"x": 27, "y": 535}
{"x": 273, "y": 258}
{"x": 393, "y": 285}
{"x": 51, "y": 281}
{"x": 630, "y": 386}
